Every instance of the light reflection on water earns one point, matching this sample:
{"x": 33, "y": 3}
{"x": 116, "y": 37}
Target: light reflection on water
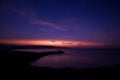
{"x": 77, "y": 58}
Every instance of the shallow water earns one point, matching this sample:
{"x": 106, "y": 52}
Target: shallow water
{"x": 78, "y": 58}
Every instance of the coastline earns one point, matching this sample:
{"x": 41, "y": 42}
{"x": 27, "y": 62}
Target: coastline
{"x": 16, "y": 65}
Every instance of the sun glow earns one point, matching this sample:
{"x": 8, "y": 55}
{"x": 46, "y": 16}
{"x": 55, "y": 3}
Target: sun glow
{"x": 52, "y": 43}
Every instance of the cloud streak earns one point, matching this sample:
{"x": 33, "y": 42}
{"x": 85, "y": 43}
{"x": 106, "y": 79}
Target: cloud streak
{"x": 28, "y": 14}
{"x": 32, "y": 18}
{"x": 49, "y": 24}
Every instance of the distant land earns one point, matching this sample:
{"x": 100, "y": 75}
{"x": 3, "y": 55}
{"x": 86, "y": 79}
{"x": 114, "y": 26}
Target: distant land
{"x": 13, "y": 47}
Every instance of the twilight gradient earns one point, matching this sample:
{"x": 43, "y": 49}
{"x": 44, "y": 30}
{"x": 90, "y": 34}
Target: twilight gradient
{"x": 60, "y": 22}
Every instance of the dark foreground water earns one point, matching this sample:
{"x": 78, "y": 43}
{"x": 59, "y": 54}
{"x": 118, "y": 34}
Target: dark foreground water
{"x": 78, "y": 58}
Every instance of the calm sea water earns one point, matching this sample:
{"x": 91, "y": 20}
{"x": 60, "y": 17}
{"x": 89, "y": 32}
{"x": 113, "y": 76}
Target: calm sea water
{"x": 78, "y": 58}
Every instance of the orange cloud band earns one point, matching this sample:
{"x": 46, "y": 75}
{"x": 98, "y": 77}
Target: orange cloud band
{"x": 52, "y": 43}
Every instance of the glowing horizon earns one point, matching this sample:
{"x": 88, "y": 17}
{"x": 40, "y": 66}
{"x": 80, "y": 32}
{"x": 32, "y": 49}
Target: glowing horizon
{"x": 60, "y": 43}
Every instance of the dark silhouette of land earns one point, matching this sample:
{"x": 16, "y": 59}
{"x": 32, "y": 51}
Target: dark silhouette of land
{"x": 14, "y": 65}
{"x": 16, "y": 47}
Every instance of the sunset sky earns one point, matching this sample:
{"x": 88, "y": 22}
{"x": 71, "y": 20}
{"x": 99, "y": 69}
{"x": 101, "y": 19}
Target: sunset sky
{"x": 60, "y": 22}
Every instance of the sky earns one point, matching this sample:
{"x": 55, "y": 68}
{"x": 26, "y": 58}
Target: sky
{"x": 60, "y": 22}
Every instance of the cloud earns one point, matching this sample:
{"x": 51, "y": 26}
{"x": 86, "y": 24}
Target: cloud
{"x": 52, "y": 41}
{"x": 49, "y": 23}
{"x": 12, "y": 9}
{"x": 44, "y": 29}
{"x": 31, "y": 16}
{"x": 25, "y": 12}
{"x": 69, "y": 43}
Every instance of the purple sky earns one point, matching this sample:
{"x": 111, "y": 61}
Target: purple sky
{"x": 68, "y": 20}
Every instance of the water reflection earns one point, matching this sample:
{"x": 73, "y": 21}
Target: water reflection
{"x": 78, "y": 58}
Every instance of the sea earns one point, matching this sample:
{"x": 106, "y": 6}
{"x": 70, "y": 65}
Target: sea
{"x": 77, "y": 58}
